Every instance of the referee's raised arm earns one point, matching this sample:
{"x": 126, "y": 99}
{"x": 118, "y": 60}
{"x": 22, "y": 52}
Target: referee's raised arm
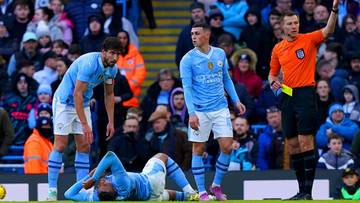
{"x": 330, "y": 26}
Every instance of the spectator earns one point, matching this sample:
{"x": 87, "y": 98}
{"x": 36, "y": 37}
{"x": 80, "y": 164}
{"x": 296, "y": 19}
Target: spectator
{"x": 127, "y": 145}
{"x": 336, "y": 77}
{"x": 336, "y": 123}
{"x": 44, "y": 15}
{"x": 60, "y": 48}
{"x": 321, "y": 15}
{"x": 349, "y": 189}
{"x": 114, "y": 22}
{"x": 256, "y": 38}
{"x": 244, "y": 71}
{"x": 158, "y": 93}
{"x": 266, "y": 99}
{"x": 43, "y": 36}
{"x": 333, "y": 53}
{"x": 234, "y": 12}
{"x": 276, "y": 35}
{"x": 93, "y": 40}
{"x": 44, "y": 94}
{"x": 18, "y": 104}
{"x": 131, "y": 64}
{"x": 226, "y": 42}
{"x": 6, "y": 8}
{"x": 79, "y": 13}
{"x": 337, "y": 157}
{"x": 324, "y": 100}
{"x": 4, "y": 78}
{"x": 355, "y": 71}
{"x": 307, "y": 15}
{"x": 74, "y": 52}
{"x": 23, "y": 12}
{"x": 60, "y": 19}
{"x": 243, "y": 156}
{"x": 216, "y": 19}
{"x": 273, "y": 18}
{"x": 184, "y": 43}
{"x": 38, "y": 147}
{"x": 162, "y": 137}
{"x": 48, "y": 74}
{"x": 351, "y": 98}
{"x": 279, "y": 6}
{"x": 122, "y": 93}
{"x": 271, "y": 142}
{"x": 27, "y": 52}
{"x": 347, "y": 28}
{"x": 62, "y": 64}
{"x": 7, "y": 133}
{"x": 28, "y": 68}
{"x": 179, "y": 115}
{"x": 352, "y": 42}
{"x": 8, "y": 44}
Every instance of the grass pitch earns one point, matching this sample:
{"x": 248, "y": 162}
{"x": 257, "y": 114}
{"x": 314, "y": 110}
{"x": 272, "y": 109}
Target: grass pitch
{"x": 250, "y": 201}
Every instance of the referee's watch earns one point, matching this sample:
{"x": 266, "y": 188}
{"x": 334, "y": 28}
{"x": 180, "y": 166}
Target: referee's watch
{"x": 335, "y": 10}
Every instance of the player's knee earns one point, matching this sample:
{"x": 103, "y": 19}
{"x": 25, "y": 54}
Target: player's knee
{"x": 83, "y": 147}
{"x": 60, "y": 146}
{"x": 227, "y": 149}
{"x": 198, "y": 148}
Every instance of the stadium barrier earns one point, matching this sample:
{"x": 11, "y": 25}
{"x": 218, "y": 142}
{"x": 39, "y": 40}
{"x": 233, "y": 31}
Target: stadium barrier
{"x": 248, "y": 185}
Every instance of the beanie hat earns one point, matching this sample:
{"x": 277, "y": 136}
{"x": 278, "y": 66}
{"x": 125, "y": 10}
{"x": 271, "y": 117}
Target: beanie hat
{"x": 44, "y": 107}
{"x": 196, "y": 5}
{"x": 44, "y": 88}
{"x": 335, "y": 107}
{"x": 42, "y": 29}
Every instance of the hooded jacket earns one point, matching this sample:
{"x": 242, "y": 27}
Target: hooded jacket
{"x": 352, "y": 109}
{"x": 330, "y": 160}
{"x": 346, "y": 129}
{"x": 183, "y": 113}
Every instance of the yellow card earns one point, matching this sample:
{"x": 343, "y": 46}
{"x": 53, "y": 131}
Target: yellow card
{"x": 287, "y": 90}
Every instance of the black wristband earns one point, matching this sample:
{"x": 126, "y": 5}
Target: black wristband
{"x": 334, "y": 10}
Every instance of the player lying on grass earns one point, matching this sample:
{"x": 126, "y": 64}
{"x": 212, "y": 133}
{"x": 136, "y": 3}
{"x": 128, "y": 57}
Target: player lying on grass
{"x": 149, "y": 185}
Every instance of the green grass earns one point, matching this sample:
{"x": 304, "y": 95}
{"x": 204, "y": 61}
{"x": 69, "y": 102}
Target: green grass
{"x": 264, "y": 201}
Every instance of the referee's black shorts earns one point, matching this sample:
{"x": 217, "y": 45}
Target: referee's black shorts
{"x": 298, "y": 112}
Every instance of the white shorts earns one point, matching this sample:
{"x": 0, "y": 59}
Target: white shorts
{"x": 66, "y": 120}
{"x": 155, "y": 170}
{"x": 217, "y": 121}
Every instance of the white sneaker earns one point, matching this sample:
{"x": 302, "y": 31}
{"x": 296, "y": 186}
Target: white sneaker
{"x": 52, "y": 195}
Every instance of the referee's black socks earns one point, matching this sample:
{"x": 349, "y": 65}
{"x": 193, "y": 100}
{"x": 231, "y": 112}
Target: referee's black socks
{"x": 309, "y": 170}
{"x": 298, "y": 165}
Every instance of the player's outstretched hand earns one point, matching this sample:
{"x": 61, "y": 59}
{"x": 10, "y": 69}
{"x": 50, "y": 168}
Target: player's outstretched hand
{"x": 335, "y": 4}
{"x": 88, "y": 183}
{"x": 194, "y": 122}
{"x": 109, "y": 131}
{"x": 241, "y": 108}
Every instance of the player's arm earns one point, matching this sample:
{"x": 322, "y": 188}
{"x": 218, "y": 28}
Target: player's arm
{"x": 274, "y": 70}
{"x": 75, "y": 193}
{"x": 186, "y": 78}
{"x": 330, "y": 26}
{"x": 110, "y": 160}
{"x": 109, "y": 105}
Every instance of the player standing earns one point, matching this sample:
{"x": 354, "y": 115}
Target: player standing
{"x": 72, "y": 112}
{"x": 204, "y": 74}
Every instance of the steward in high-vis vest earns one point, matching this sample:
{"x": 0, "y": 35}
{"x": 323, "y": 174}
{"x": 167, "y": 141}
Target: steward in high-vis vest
{"x": 351, "y": 185}
{"x": 38, "y": 147}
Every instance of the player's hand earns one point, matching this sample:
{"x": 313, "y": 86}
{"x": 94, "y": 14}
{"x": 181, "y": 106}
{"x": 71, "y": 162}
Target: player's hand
{"x": 240, "y": 107}
{"x": 194, "y": 122}
{"x": 275, "y": 85}
{"x": 109, "y": 131}
{"x": 92, "y": 172}
{"x": 88, "y": 133}
{"x": 235, "y": 145}
{"x": 329, "y": 132}
{"x": 88, "y": 183}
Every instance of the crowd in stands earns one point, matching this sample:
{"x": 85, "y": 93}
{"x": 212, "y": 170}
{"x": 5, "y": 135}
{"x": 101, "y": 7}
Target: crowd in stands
{"x": 40, "y": 39}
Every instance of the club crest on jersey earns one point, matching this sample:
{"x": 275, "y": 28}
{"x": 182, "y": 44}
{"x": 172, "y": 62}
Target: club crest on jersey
{"x": 220, "y": 63}
{"x": 210, "y": 65}
{"x": 300, "y": 54}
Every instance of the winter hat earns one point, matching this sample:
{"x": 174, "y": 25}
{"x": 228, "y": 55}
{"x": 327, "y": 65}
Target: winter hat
{"x": 29, "y": 36}
{"x": 97, "y": 18}
{"x": 245, "y": 57}
{"x": 335, "y": 107}
{"x": 353, "y": 90}
{"x": 196, "y": 5}
{"x": 42, "y": 29}
{"x": 349, "y": 171}
{"x": 215, "y": 13}
{"x": 44, "y": 107}
{"x": 44, "y": 88}
{"x": 4, "y": 23}
{"x": 21, "y": 77}
{"x": 112, "y": 2}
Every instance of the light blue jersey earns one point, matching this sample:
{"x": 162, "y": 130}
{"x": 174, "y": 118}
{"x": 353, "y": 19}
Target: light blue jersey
{"x": 87, "y": 68}
{"x": 128, "y": 186}
{"x": 204, "y": 77}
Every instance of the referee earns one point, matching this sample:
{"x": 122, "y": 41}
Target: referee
{"x": 296, "y": 55}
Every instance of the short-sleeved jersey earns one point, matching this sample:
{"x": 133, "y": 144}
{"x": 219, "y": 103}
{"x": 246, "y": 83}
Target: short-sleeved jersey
{"x": 205, "y": 75}
{"x": 297, "y": 59}
{"x": 87, "y": 68}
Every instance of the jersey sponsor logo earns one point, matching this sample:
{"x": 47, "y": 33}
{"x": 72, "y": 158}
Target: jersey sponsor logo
{"x": 220, "y": 63}
{"x": 209, "y": 78}
{"x": 300, "y": 54}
